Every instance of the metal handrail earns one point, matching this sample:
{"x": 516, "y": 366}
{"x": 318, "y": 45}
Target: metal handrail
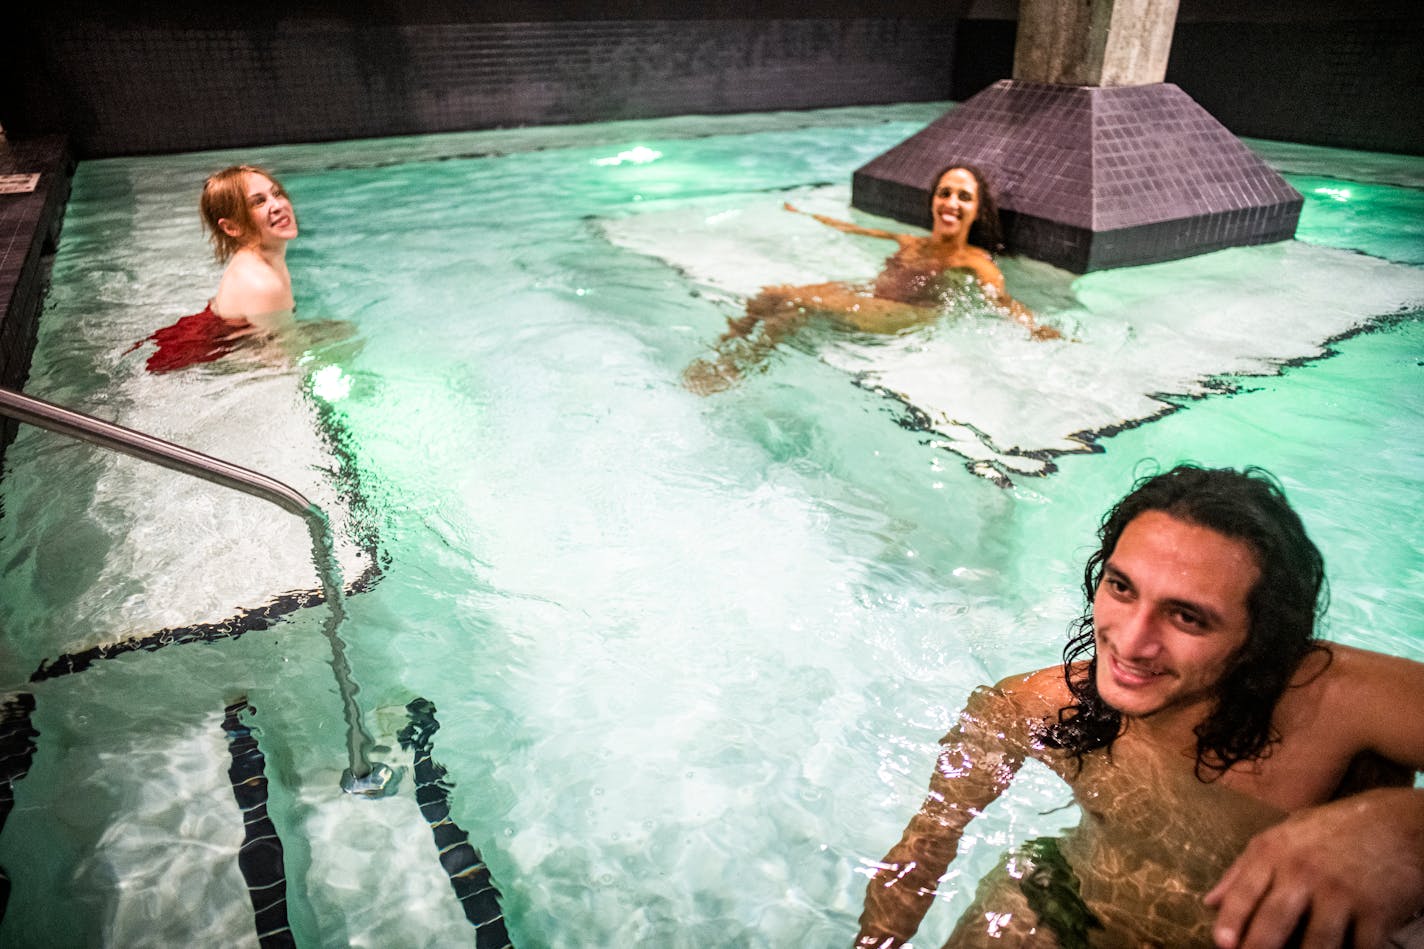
{"x": 362, "y": 776}
{"x": 56, "y": 418}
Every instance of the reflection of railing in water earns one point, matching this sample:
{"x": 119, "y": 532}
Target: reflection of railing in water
{"x": 362, "y": 776}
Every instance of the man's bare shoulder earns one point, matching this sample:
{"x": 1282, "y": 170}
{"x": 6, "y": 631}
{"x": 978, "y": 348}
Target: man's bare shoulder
{"x": 1375, "y": 701}
{"x": 1021, "y": 699}
{"x": 1040, "y": 687}
{"x": 1356, "y": 660}
{"x": 1347, "y": 673}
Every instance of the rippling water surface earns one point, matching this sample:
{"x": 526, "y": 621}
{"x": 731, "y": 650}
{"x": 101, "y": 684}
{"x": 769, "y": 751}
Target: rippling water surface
{"x": 690, "y": 657}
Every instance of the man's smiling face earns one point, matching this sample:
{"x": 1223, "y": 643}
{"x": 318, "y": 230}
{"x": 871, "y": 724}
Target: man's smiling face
{"x": 1169, "y": 615}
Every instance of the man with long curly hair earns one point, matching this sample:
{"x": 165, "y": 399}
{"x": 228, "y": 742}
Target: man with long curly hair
{"x": 1241, "y": 782}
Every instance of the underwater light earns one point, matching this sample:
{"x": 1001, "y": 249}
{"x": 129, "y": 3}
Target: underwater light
{"x": 329, "y": 384}
{"x": 1339, "y": 194}
{"x": 640, "y": 155}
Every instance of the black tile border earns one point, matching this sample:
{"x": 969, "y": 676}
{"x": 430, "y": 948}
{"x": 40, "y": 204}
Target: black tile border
{"x": 17, "y": 751}
{"x": 260, "y": 856}
{"x": 469, "y": 876}
{"x": 913, "y": 418}
{"x": 235, "y": 627}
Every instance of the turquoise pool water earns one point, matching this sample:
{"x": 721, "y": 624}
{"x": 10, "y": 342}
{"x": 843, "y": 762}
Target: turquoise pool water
{"x": 691, "y": 657}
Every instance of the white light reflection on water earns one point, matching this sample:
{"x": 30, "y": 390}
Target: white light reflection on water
{"x": 639, "y": 155}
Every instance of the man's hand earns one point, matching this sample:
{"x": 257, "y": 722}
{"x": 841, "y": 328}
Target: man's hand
{"x": 1352, "y": 870}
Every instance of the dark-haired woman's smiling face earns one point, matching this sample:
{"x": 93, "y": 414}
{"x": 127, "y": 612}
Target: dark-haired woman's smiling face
{"x": 956, "y": 203}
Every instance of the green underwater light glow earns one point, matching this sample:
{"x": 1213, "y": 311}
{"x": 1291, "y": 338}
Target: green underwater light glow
{"x": 329, "y": 384}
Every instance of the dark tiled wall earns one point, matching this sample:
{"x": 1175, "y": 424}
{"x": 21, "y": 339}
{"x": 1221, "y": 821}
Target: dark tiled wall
{"x": 1347, "y": 83}
{"x": 29, "y": 230}
{"x": 166, "y": 76}
{"x": 169, "y": 83}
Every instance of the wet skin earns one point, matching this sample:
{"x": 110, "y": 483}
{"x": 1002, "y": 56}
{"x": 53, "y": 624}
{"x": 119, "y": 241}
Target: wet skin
{"x": 1165, "y": 855}
{"x": 907, "y": 292}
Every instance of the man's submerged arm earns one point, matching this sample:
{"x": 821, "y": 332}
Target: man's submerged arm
{"x": 976, "y": 763}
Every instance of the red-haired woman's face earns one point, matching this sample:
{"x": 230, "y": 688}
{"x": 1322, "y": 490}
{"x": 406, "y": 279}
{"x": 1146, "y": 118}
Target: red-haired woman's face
{"x": 270, "y": 210}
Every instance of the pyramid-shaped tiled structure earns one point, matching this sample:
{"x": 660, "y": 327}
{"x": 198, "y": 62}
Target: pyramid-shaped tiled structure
{"x": 1092, "y": 177}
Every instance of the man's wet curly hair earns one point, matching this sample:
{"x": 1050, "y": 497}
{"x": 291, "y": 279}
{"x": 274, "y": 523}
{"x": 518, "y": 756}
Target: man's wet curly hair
{"x": 1284, "y": 605}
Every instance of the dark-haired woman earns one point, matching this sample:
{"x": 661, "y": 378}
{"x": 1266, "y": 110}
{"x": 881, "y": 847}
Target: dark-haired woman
{"x": 916, "y": 282}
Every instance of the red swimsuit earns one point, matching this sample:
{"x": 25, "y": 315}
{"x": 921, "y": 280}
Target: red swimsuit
{"x": 202, "y": 337}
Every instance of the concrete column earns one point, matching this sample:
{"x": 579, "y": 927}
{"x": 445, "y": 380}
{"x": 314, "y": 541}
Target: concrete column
{"x": 1094, "y": 42}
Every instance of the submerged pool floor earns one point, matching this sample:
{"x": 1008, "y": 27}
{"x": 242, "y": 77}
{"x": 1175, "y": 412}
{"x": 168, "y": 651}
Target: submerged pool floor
{"x": 665, "y": 670}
